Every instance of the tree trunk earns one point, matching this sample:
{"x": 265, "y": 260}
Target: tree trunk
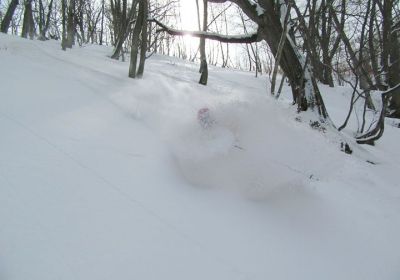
{"x": 124, "y": 32}
{"x": 46, "y": 23}
{"x": 391, "y": 57}
{"x": 41, "y": 20}
{"x": 5, "y": 23}
{"x": 143, "y": 46}
{"x": 121, "y": 32}
{"x": 102, "y": 22}
{"x": 377, "y": 131}
{"x": 326, "y": 28}
{"x": 386, "y": 42}
{"x": 203, "y": 57}
{"x": 135, "y": 41}
{"x": 302, "y": 81}
{"x": 279, "y": 50}
{"x": 64, "y": 27}
{"x": 312, "y": 42}
{"x": 394, "y": 76}
{"x": 28, "y": 27}
{"x": 79, "y": 21}
{"x": 70, "y": 25}
{"x": 372, "y": 50}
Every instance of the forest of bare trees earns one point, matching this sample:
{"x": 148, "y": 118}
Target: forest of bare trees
{"x": 333, "y": 42}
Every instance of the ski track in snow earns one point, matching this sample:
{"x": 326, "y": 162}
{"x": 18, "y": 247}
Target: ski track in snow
{"x": 106, "y": 177}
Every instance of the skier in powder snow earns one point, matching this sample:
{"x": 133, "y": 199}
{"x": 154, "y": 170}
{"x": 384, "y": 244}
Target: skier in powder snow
{"x": 204, "y": 118}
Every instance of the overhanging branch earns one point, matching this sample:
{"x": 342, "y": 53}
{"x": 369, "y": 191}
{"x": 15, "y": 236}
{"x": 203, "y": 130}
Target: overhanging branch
{"x": 244, "y": 39}
{"x": 376, "y": 133}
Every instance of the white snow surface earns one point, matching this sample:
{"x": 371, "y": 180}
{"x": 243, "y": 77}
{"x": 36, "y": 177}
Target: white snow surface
{"x": 106, "y": 177}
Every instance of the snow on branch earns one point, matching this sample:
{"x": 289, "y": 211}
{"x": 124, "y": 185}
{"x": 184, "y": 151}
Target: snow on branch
{"x": 245, "y": 39}
{"x": 260, "y": 10}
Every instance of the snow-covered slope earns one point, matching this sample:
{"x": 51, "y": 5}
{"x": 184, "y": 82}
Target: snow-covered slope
{"x": 105, "y": 177}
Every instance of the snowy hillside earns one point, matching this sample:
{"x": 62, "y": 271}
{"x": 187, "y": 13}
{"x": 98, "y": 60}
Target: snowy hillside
{"x": 106, "y": 177}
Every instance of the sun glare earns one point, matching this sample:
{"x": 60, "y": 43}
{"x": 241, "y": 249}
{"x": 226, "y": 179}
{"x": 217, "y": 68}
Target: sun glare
{"x": 188, "y": 11}
{"x": 189, "y": 15}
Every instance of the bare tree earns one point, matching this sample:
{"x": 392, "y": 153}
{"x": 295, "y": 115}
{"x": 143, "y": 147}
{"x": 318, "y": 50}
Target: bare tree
{"x": 28, "y": 27}
{"x": 44, "y": 21}
{"x": 280, "y": 49}
{"x": 143, "y": 45}
{"x": 5, "y": 23}
{"x": 391, "y": 53}
{"x": 124, "y": 28}
{"x": 69, "y": 23}
{"x": 102, "y": 21}
{"x": 267, "y": 15}
{"x": 203, "y": 57}
{"x": 140, "y": 25}
{"x": 377, "y": 131}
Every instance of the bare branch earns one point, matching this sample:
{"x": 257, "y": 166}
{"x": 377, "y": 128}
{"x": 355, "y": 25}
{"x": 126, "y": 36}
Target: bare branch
{"x": 376, "y": 133}
{"x": 241, "y": 39}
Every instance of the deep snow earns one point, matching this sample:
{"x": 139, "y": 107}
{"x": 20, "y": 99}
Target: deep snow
{"x": 105, "y": 177}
